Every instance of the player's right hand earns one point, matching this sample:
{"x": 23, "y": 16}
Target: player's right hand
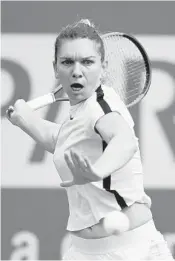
{"x": 15, "y": 114}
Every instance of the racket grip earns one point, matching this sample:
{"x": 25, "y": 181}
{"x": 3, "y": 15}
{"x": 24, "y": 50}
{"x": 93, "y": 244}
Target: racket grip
{"x": 41, "y": 101}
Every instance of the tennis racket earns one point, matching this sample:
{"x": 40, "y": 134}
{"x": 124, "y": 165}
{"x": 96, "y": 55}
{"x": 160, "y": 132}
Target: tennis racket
{"x": 128, "y": 71}
{"x": 56, "y": 95}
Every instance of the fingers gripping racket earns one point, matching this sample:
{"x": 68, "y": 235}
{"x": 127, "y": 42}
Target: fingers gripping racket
{"x": 128, "y": 71}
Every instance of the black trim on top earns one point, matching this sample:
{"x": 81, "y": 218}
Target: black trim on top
{"x": 107, "y": 181}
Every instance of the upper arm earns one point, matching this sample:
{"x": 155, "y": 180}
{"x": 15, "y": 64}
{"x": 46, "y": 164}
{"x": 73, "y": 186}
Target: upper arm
{"x": 114, "y": 125}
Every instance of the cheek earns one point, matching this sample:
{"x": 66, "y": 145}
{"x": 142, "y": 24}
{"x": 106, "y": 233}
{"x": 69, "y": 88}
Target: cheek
{"x": 63, "y": 73}
{"x": 95, "y": 74}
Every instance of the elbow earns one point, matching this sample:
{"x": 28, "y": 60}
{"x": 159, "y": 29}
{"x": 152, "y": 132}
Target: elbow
{"x": 50, "y": 149}
{"x": 47, "y": 146}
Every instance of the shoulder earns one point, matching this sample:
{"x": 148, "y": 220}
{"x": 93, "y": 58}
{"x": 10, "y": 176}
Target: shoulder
{"x": 104, "y": 101}
{"x": 117, "y": 105}
{"x": 113, "y": 98}
{"x": 105, "y": 93}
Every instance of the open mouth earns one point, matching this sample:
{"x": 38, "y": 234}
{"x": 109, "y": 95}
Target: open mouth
{"x": 76, "y": 86}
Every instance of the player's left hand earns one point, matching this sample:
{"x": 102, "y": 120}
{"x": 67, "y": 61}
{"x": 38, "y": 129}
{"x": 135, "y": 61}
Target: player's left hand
{"x": 82, "y": 170}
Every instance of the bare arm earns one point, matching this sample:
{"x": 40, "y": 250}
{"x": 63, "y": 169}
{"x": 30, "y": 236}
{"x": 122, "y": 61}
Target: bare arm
{"x": 42, "y": 131}
{"x": 121, "y": 141}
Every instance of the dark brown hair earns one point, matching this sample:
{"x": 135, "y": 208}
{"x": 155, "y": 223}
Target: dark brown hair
{"x": 82, "y": 29}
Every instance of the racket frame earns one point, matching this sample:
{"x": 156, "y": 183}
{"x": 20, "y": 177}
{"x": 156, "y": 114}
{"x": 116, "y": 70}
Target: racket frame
{"x": 146, "y": 60}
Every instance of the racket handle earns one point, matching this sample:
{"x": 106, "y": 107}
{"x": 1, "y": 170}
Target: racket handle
{"x": 41, "y": 101}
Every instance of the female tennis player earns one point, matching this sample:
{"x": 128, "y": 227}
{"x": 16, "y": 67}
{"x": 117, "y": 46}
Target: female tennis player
{"x": 96, "y": 154}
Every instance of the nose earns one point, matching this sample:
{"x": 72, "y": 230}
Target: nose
{"x": 76, "y": 71}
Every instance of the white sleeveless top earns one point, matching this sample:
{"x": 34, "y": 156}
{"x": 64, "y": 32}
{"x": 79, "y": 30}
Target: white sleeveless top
{"x": 90, "y": 202}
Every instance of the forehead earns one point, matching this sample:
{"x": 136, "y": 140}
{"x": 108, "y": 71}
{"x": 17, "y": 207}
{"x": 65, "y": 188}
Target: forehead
{"x": 78, "y": 47}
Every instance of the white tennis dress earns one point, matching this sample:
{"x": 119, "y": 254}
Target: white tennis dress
{"x": 90, "y": 202}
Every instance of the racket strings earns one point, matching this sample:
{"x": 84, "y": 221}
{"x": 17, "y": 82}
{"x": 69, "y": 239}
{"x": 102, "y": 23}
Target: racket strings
{"x": 126, "y": 71}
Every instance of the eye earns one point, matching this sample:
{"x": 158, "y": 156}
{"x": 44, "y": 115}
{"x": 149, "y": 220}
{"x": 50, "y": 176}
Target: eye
{"x": 67, "y": 62}
{"x": 87, "y": 62}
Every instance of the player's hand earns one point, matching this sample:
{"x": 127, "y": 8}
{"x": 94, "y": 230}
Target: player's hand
{"x": 17, "y": 113}
{"x": 82, "y": 170}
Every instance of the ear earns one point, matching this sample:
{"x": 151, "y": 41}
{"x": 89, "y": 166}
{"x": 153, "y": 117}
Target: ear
{"x": 55, "y": 70}
{"x": 104, "y": 69}
{"x": 105, "y": 65}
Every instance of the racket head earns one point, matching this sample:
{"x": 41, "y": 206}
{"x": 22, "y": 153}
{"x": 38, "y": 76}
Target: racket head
{"x": 128, "y": 70}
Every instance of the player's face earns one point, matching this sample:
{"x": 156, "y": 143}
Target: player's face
{"x": 79, "y": 68}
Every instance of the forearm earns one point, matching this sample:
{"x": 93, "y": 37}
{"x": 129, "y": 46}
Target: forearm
{"x": 117, "y": 153}
{"x": 38, "y": 129}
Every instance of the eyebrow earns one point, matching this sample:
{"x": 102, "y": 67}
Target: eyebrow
{"x": 83, "y": 58}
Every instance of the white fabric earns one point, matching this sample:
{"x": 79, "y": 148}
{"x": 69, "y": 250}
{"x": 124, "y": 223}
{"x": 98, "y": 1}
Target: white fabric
{"x": 142, "y": 243}
{"x": 90, "y": 202}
